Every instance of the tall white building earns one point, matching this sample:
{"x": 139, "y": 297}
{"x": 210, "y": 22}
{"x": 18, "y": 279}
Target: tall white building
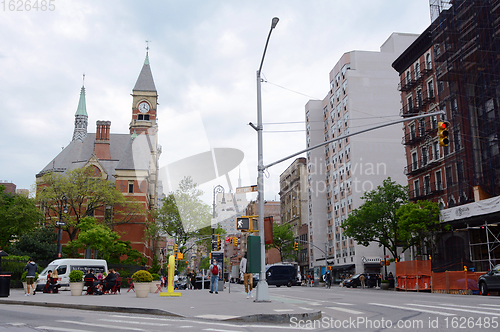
{"x": 363, "y": 93}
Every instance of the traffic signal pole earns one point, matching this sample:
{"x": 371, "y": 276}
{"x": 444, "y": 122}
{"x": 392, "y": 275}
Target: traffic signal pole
{"x": 353, "y": 134}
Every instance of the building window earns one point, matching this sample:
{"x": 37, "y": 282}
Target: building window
{"x": 417, "y": 70}
{"x": 412, "y": 132}
{"x": 449, "y": 176}
{"x": 408, "y": 77}
{"x": 439, "y": 181}
{"x": 143, "y": 117}
{"x": 436, "y": 150}
{"x": 419, "y": 98}
{"x": 410, "y": 103}
{"x": 414, "y": 161}
{"x": 131, "y": 187}
{"x": 421, "y": 125}
{"x": 434, "y": 122}
{"x": 427, "y": 185}
{"x": 424, "y": 156}
{"x": 416, "y": 185}
{"x": 430, "y": 89}
{"x": 428, "y": 62}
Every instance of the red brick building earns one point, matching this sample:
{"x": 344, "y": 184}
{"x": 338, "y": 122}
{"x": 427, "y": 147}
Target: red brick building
{"x": 129, "y": 160}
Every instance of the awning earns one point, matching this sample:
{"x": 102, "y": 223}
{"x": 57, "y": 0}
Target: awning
{"x": 342, "y": 267}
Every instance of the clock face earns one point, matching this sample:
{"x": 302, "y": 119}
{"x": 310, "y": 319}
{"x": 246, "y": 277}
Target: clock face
{"x": 143, "y": 107}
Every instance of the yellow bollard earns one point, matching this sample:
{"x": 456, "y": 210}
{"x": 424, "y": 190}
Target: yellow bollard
{"x": 170, "y": 286}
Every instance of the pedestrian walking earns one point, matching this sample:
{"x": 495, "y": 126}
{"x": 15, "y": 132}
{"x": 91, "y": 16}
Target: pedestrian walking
{"x": 214, "y": 270}
{"x": 31, "y": 267}
{"x": 247, "y": 276}
{"x": 362, "y": 280}
{"x": 188, "y": 278}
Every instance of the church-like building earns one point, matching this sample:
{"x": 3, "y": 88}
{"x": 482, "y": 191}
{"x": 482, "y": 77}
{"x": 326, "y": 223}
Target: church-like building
{"x": 129, "y": 160}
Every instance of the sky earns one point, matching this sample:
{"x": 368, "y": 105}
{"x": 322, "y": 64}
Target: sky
{"x": 204, "y": 55}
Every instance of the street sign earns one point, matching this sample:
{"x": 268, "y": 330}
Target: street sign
{"x": 243, "y": 190}
{"x": 60, "y": 223}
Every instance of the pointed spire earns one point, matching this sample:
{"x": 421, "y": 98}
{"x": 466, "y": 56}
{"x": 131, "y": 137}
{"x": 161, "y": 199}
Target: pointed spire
{"x": 81, "y": 117}
{"x": 145, "y": 81}
{"x": 82, "y": 105}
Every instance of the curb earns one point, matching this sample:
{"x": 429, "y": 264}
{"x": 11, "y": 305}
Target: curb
{"x": 275, "y": 318}
{"x": 257, "y": 318}
{"x": 95, "y": 308}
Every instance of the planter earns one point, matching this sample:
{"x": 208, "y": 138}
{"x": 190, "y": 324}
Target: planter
{"x": 76, "y": 288}
{"x": 142, "y": 289}
{"x": 384, "y": 285}
{"x": 153, "y": 287}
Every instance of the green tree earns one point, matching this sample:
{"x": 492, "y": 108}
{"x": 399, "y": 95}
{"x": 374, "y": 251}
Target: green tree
{"x": 86, "y": 193}
{"x": 100, "y": 237}
{"x": 419, "y": 224}
{"x": 40, "y": 244}
{"x": 283, "y": 240}
{"x": 18, "y": 215}
{"x": 376, "y": 219}
{"x": 183, "y": 214}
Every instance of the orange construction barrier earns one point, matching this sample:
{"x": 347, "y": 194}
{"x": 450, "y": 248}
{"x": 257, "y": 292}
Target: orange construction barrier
{"x": 413, "y": 275}
{"x": 455, "y": 282}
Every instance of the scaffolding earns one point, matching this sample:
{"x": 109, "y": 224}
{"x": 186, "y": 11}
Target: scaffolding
{"x": 485, "y": 245}
{"x": 466, "y": 41}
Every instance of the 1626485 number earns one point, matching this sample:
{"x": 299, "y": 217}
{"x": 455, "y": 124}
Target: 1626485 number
{"x": 471, "y": 322}
{"x": 28, "y": 5}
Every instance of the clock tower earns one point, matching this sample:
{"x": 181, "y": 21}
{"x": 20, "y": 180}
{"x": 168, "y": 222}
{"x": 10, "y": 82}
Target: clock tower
{"x": 144, "y": 103}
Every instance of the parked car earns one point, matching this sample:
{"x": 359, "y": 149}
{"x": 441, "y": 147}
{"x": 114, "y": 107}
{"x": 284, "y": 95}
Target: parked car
{"x": 282, "y": 275}
{"x": 370, "y": 280}
{"x": 489, "y": 281}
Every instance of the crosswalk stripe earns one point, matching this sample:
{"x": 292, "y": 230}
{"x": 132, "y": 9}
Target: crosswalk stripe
{"x": 355, "y": 312}
{"x": 456, "y": 309}
{"x": 98, "y": 325}
{"x": 412, "y": 309}
{"x": 52, "y": 328}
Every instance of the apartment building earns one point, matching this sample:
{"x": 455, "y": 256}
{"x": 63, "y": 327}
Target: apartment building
{"x": 293, "y": 198}
{"x": 363, "y": 93}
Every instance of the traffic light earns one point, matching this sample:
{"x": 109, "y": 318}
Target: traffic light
{"x": 176, "y": 247}
{"x": 218, "y": 244}
{"x": 295, "y": 246}
{"x": 443, "y": 132}
{"x": 235, "y": 241}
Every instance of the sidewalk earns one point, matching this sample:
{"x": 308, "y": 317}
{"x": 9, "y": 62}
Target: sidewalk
{"x": 198, "y": 304}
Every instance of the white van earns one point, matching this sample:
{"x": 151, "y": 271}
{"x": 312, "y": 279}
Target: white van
{"x": 66, "y": 265}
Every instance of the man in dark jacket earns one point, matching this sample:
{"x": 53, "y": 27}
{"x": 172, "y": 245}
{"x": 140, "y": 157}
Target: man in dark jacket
{"x": 31, "y": 267}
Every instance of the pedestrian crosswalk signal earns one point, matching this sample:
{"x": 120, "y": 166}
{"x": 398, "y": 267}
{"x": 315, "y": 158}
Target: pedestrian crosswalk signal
{"x": 443, "y": 133}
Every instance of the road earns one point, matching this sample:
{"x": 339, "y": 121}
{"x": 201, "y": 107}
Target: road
{"x": 343, "y": 310}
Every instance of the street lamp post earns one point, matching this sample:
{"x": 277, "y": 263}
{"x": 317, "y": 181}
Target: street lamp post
{"x": 217, "y": 190}
{"x": 64, "y": 206}
{"x": 262, "y": 289}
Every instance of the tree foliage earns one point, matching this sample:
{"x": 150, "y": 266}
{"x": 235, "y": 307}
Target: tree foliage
{"x": 85, "y": 194}
{"x": 376, "y": 219}
{"x": 283, "y": 241}
{"x": 107, "y": 243}
{"x": 39, "y": 244}
{"x": 18, "y": 215}
{"x": 183, "y": 214}
{"x": 419, "y": 224}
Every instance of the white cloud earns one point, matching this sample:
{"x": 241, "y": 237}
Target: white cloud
{"x": 204, "y": 56}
